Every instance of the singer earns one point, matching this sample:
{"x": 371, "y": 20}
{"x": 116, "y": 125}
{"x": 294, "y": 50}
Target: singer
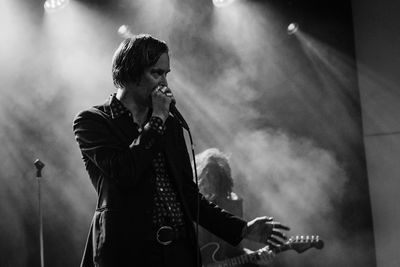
{"x": 134, "y": 151}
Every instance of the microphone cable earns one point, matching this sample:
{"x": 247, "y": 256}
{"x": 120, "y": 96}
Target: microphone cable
{"x": 197, "y": 200}
{"x": 186, "y": 127}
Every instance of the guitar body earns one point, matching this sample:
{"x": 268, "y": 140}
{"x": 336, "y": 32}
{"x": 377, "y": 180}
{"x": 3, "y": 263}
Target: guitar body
{"x": 212, "y": 255}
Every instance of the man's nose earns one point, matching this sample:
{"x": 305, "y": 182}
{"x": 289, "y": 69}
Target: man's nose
{"x": 164, "y": 81}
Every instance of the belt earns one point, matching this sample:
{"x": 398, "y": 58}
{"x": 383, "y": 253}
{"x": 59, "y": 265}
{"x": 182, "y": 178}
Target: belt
{"x": 166, "y": 234}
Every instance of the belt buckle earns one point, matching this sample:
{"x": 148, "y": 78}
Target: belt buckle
{"x": 165, "y": 243}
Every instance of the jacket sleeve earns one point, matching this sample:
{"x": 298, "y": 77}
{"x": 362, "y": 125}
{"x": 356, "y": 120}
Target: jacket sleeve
{"x": 103, "y": 148}
{"x": 216, "y": 220}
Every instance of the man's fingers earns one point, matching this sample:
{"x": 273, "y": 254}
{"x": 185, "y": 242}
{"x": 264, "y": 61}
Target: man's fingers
{"x": 278, "y": 225}
{"x": 279, "y": 234}
{"x": 276, "y": 240}
{"x": 272, "y": 245}
{"x": 265, "y": 219}
{"x": 165, "y": 91}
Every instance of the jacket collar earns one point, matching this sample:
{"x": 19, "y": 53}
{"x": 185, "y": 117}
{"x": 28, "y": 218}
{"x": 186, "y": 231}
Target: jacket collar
{"x": 116, "y": 108}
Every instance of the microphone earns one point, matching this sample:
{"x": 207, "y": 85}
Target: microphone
{"x": 39, "y": 166}
{"x": 174, "y": 111}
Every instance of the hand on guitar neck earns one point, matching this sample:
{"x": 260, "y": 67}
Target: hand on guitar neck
{"x": 266, "y": 231}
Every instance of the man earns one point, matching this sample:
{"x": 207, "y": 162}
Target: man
{"x": 136, "y": 157}
{"x": 216, "y": 185}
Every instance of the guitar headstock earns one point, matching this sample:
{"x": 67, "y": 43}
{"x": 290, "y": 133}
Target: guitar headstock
{"x": 303, "y": 243}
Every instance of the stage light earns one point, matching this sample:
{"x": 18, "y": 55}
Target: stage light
{"x": 124, "y": 31}
{"x": 292, "y": 28}
{"x": 54, "y": 5}
{"x": 222, "y": 3}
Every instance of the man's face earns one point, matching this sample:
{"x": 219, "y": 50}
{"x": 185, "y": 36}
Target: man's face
{"x": 152, "y": 77}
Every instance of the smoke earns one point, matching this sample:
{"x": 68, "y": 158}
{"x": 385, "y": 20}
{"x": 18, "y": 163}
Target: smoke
{"x": 293, "y": 172}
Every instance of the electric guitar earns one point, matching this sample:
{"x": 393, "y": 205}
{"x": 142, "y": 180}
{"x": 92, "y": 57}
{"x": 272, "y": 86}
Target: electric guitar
{"x": 297, "y": 243}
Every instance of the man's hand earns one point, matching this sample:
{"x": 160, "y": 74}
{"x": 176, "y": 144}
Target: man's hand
{"x": 266, "y": 255}
{"x": 265, "y": 230}
{"x": 161, "y": 100}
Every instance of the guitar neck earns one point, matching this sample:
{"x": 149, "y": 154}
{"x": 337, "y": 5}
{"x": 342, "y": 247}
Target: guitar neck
{"x": 298, "y": 243}
{"x": 282, "y": 248}
{"x": 246, "y": 258}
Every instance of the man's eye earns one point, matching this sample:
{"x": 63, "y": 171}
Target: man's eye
{"x": 158, "y": 72}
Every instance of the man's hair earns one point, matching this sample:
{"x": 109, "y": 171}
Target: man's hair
{"x": 133, "y": 56}
{"x": 214, "y": 170}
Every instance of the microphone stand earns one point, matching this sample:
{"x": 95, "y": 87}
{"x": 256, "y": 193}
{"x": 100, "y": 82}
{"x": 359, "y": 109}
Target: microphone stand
{"x": 39, "y": 166}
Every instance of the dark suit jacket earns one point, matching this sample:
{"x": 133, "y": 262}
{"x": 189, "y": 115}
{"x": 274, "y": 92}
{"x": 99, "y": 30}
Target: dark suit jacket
{"x": 119, "y": 162}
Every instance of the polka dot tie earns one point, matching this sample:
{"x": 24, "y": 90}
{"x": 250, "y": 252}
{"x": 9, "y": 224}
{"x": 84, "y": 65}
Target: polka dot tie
{"x": 167, "y": 209}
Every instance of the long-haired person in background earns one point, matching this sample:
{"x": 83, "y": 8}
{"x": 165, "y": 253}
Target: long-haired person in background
{"x": 216, "y": 185}
{"x": 135, "y": 154}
